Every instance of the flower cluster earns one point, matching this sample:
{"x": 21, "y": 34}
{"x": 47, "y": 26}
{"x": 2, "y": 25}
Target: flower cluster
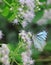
{"x": 4, "y": 51}
{"x": 15, "y": 21}
{"x": 26, "y": 36}
{"x": 26, "y": 11}
{"x": 26, "y": 56}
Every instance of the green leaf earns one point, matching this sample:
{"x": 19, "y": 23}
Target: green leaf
{"x": 35, "y": 54}
{"x": 5, "y": 11}
{"x": 18, "y": 58}
{"x": 38, "y": 16}
{"x": 48, "y": 46}
{"x": 12, "y": 17}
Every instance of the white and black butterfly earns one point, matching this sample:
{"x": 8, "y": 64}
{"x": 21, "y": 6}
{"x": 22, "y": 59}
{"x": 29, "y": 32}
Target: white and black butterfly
{"x": 39, "y": 40}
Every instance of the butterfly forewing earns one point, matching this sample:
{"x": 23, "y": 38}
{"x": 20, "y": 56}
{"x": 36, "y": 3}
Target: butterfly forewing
{"x": 42, "y": 35}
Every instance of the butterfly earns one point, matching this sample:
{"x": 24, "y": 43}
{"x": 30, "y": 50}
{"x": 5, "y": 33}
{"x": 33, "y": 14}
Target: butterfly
{"x": 39, "y": 40}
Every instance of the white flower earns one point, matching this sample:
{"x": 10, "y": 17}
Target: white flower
{"x": 15, "y": 21}
{"x": 4, "y": 51}
{"x": 11, "y": 8}
{"x": 25, "y": 36}
{"x": 30, "y": 3}
{"x": 29, "y": 43}
{"x": 4, "y": 46}
{"x": 26, "y": 57}
{"x": 48, "y": 1}
{"x": 30, "y": 34}
{"x": 24, "y": 23}
{"x": 20, "y": 9}
{"x": 22, "y": 1}
{"x": 1, "y": 34}
{"x": 28, "y": 16}
{"x": 32, "y": 62}
{"x": 5, "y": 60}
{"x": 22, "y": 33}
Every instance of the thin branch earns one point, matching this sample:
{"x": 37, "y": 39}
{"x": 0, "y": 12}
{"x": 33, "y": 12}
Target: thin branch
{"x": 7, "y": 3}
{"x": 43, "y": 60}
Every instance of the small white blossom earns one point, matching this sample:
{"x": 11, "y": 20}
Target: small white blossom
{"x": 22, "y": 33}
{"x": 48, "y": 1}
{"x": 4, "y": 51}
{"x": 5, "y": 60}
{"x": 15, "y": 21}
{"x": 24, "y": 23}
{"x": 1, "y": 34}
{"x": 26, "y": 57}
{"x": 25, "y": 36}
{"x": 22, "y": 1}
{"x": 11, "y": 8}
{"x": 29, "y": 14}
{"x": 30, "y": 3}
{"x": 20, "y": 9}
{"x": 30, "y": 34}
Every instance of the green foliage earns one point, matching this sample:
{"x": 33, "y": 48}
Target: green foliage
{"x": 15, "y": 52}
{"x": 38, "y": 16}
{"x": 9, "y": 9}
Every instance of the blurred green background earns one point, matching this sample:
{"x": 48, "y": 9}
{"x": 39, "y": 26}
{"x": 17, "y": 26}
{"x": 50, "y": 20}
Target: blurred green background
{"x": 11, "y": 31}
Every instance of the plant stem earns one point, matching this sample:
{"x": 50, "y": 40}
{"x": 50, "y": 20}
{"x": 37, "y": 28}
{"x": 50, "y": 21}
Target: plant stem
{"x": 43, "y": 60}
{"x": 7, "y": 3}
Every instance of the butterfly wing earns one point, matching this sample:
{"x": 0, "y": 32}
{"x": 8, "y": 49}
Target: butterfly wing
{"x": 40, "y": 40}
{"x": 42, "y": 35}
